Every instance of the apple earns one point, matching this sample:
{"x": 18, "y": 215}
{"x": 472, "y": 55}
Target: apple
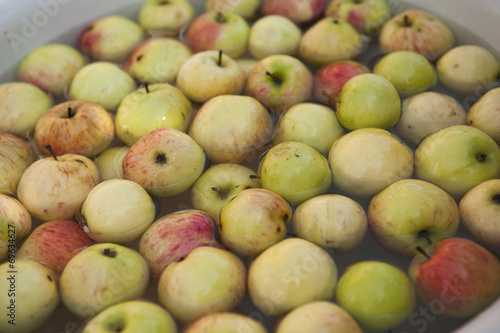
{"x": 232, "y": 129}
{"x": 412, "y": 213}
{"x": 458, "y": 275}
{"x": 485, "y": 115}
{"x": 103, "y": 83}
{"x": 367, "y": 160}
{"x": 329, "y": 80}
{"x": 328, "y": 40}
{"x": 377, "y": 294}
{"x": 102, "y": 275}
{"x": 117, "y": 210}
{"x": 16, "y": 155}
{"x": 468, "y": 69}
{"x": 54, "y": 243}
{"x": 30, "y": 296}
{"x": 408, "y": 71}
{"x": 318, "y": 316}
{"x": 273, "y": 34}
{"x": 213, "y": 30}
{"x": 75, "y": 127}
{"x": 479, "y": 211}
{"x": 149, "y": 108}
{"x": 368, "y": 100}
{"x": 416, "y": 30}
{"x": 366, "y": 16}
{"x": 426, "y": 113}
{"x": 208, "y": 74}
{"x": 457, "y": 158}
{"x": 248, "y": 9}
{"x": 172, "y": 237}
{"x": 252, "y": 221}
{"x": 110, "y": 38}
{"x": 333, "y": 221}
{"x": 157, "y": 60}
{"x": 309, "y": 123}
{"x": 54, "y": 188}
{"x": 225, "y": 322}
{"x": 301, "y": 272}
{"x": 21, "y": 104}
{"x": 219, "y": 184}
{"x": 165, "y": 162}
{"x": 301, "y": 12}
{"x": 279, "y": 81}
{"x": 165, "y": 17}
{"x": 208, "y": 280}
{"x": 110, "y": 162}
{"x": 295, "y": 171}
{"x": 15, "y": 225}
{"x": 132, "y": 316}
{"x": 51, "y": 67}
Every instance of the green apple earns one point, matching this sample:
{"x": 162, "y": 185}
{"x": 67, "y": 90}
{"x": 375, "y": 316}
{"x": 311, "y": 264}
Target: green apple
{"x": 102, "y": 275}
{"x": 295, "y": 171}
{"x": 110, "y": 162}
{"x": 225, "y": 322}
{"x": 412, "y": 213}
{"x": 151, "y": 107}
{"x": 291, "y": 273}
{"x": 160, "y": 17}
{"x": 246, "y": 8}
{"x": 16, "y": 155}
{"x": 313, "y": 124}
{"x": 367, "y": 160}
{"x": 15, "y": 225}
{"x": 377, "y": 294}
{"x": 484, "y": 114}
{"x": 219, "y": 184}
{"x": 130, "y": 317}
{"x": 457, "y": 158}
{"x": 208, "y": 280}
{"x": 408, "y": 71}
{"x": 332, "y": 221}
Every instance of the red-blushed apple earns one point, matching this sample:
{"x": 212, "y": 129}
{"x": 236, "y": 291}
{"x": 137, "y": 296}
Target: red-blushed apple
{"x": 248, "y": 9}
{"x": 165, "y": 17}
{"x": 75, "y": 127}
{"x": 460, "y": 275}
{"x": 329, "y": 80}
{"x": 172, "y": 237}
{"x": 16, "y": 155}
{"x": 226, "y": 322}
{"x": 15, "y": 225}
{"x": 300, "y": 12}
{"x": 485, "y": 114}
{"x": 110, "y": 38}
{"x": 218, "y": 31}
{"x": 54, "y": 243}
{"x": 165, "y": 162}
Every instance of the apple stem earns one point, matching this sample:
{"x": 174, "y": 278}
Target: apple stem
{"x": 423, "y": 252}
{"x": 70, "y": 114}
{"x": 331, "y": 100}
{"x": 146, "y": 86}
{"x": 219, "y": 18}
{"x": 406, "y": 21}
{"x": 51, "y": 151}
{"x": 276, "y": 79}
{"x": 220, "y": 58}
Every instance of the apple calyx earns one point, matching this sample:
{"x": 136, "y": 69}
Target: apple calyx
{"x": 276, "y": 79}
{"x": 481, "y": 157}
{"x": 109, "y": 253}
{"x": 160, "y": 158}
{"x": 423, "y": 252}
{"x": 51, "y": 151}
{"x": 496, "y": 198}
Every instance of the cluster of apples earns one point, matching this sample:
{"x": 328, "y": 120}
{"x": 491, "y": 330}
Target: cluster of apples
{"x": 201, "y": 156}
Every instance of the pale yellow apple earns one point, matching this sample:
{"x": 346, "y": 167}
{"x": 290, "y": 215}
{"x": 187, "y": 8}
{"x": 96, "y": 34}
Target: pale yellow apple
{"x": 15, "y": 225}
{"x": 110, "y": 162}
{"x": 485, "y": 114}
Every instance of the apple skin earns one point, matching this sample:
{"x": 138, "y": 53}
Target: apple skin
{"x": 51, "y": 67}
{"x": 219, "y": 184}
{"x": 416, "y": 30}
{"x": 377, "y": 294}
{"x": 110, "y": 38}
{"x": 15, "y": 225}
{"x": 110, "y": 162}
{"x": 301, "y": 12}
{"x": 218, "y": 31}
{"x": 318, "y": 316}
{"x": 208, "y": 280}
{"x": 102, "y": 275}
{"x": 485, "y": 114}
{"x": 223, "y": 322}
{"x": 291, "y": 273}
{"x": 411, "y": 213}
{"x": 333, "y": 221}
{"x": 158, "y": 17}
{"x": 54, "y": 243}
{"x": 246, "y": 8}
{"x": 172, "y": 237}
{"x": 329, "y": 80}
{"x": 75, "y": 127}
{"x": 463, "y": 275}
{"x": 165, "y": 162}
{"x": 36, "y": 296}
{"x": 457, "y": 158}
{"x": 479, "y": 211}
{"x": 21, "y": 105}
{"x": 252, "y": 221}
{"x": 16, "y": 155}
{"x": 132, "y": 316}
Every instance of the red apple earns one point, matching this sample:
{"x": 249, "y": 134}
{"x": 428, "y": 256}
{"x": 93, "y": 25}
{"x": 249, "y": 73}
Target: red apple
{"x": 299, "y": 11}
{"x": 456, "y": 276}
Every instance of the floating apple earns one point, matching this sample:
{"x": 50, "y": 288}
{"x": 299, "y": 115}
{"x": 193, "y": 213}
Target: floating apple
{"x": 16, "y": 155}
{"x": 299, "y": 11}
{"x": 485, "y": 115}
{"x": 225, "y": 322}
{"x": 246, "y": 8}
{"x": 110, "y": 162}
{"x": 15, "y": 225}
{"x": 165, "y": 17}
